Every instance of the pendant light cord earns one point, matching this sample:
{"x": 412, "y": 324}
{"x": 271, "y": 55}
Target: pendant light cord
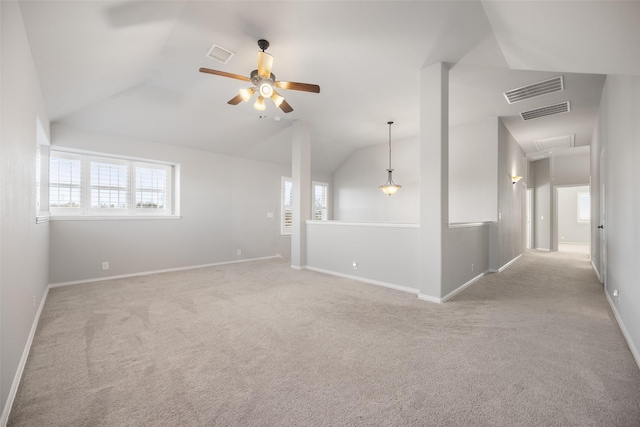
{"x": 389, "y": 123}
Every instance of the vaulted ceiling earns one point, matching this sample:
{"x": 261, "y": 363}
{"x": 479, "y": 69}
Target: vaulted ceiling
{"x": 131, "y": 67}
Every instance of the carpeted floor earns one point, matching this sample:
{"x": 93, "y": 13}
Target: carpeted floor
{"x": 260, "y": 344}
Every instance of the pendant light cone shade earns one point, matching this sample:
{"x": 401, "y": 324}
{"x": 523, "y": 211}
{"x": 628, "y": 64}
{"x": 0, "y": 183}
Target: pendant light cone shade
{"x": 390, "y": 187}
{"x": 259, "y": 105}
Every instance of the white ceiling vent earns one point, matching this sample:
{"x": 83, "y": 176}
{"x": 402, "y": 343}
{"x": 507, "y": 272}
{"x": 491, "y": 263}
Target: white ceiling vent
{"x": 549, "y": 110}
{"x": 555, "y": 84}
{"x": 566, "y": 141}
{"x": 219, "y": 53}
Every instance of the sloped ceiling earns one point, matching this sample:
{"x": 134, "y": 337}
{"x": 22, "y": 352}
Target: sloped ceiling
{"x": 131, "y": 68}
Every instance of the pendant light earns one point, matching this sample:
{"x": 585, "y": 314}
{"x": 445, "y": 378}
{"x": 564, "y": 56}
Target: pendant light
{"x": 389, "y": 187}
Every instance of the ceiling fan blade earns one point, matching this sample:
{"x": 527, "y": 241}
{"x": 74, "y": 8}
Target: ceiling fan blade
{"x": 224, "y": 74}
{"x": 235, "y": 100}
{"x": 284, "y": 106}
{"x": 265, "y": 62}
{"x": 305, "y": 87}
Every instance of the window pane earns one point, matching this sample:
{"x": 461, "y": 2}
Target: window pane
{"x": 151, "y": 187}
{"x": 584, "y": 207}
{"x": 109, "y": 184}
{"x": 320, "y": 196}
{"x": 64, "y": 182}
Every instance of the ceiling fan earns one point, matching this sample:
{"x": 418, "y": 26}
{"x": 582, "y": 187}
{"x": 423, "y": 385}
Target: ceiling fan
{"x": 264, "y": 82}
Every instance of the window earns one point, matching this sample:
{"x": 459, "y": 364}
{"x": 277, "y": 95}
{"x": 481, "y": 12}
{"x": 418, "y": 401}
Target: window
{"x": 287, "y": 205}
{"x": 584, "y": 207}
{"x": 320, "y": 201}
{"x": 64, "y": 183}
{"x": 84, "y": 184}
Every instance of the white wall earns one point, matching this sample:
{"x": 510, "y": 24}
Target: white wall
{"x": 23, "y": 243}
{"x": 473, "y": 172}
{"x": 618, "y": 133}
{"x": 224, "y": 206}
{"x": 569, "y": 229}
{"x": 357, "y": 196}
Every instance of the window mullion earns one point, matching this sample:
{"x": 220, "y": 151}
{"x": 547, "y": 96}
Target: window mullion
{"x": 132, "y": 187}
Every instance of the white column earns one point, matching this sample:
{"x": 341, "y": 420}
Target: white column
{"x": 434, "y": 177}
{"x": 301, "y": 177}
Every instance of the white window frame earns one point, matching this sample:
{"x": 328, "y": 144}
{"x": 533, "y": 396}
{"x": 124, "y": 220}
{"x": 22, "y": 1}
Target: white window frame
{"x": 582, "y": 219}
{"x": 87, "y": 212}
{"x": 325, "y": 208}
{"x": 285, "y": 229}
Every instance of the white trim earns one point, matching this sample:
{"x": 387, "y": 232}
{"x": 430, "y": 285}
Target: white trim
{"x": 109, "y": 155}
{"x": 453, "y": 293}
{"x": 467, "y": 224}
{"x": 507, "y": 265}
{"x": 596, "y": 271}
{"x": 362, "y": 279}
{"x": 429, "y": 298}
{"x": 625, "y": 333}
{"x": 23, "y": 361}
{"x": 168, "y": 270}
{"x": 363, "y": 224}
{"x": 42, "y": 218}
{"x": 114, "y": 217}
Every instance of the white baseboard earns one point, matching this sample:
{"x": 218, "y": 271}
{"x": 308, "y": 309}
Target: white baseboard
{"x": 23, "y": 361}
{"x": 365, "y": 280}
{"x": 625, "y": 333}
{"x": 453, "y": 293}
{"x": 168, "y": 270}
{"x": 504, "y": 267}
{"x": 596, "y": 270}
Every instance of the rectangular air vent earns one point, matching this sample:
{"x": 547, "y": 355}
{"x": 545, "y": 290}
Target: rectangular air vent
{"x": 555, "y": 84}
{"x": 566, "y": 141}
{"x": 219, "y": 53}
{"x": 563, "y": 107}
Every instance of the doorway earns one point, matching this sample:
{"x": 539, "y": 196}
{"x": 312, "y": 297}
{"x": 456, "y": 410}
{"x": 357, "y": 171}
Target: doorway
{"x": 573, "y": 219}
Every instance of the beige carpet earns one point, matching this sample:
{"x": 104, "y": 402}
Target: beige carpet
{"x": 260, "y": 344}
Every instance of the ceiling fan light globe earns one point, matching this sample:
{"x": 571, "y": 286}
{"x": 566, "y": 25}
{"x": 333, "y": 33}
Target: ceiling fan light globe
{"x": 259, "y": 105}
{"x": 266, "y": 90}
{"x": 246, "y": 94}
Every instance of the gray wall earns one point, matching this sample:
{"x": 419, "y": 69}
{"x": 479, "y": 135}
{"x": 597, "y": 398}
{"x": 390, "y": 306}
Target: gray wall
{"x": 509, "y": 242}
{"x": 224, "y": 206}
{"x": 618, "y": 133}
{"x": 386, "y": 253}
{"x": 569, "y": 229}
{"x": 23, "y": 243}
{"x": 357, "y": 196}
{"x": 540, "y": 177}
{"x": 473, "y": 165}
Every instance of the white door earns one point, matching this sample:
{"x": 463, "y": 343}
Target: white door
{"x": 603, "y": 230}
{"x": 529, "y": 218}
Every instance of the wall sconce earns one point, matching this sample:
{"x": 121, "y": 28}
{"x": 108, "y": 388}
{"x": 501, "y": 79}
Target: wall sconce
{"x": 515, "y": 178}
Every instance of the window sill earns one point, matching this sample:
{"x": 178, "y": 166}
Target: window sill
{"x": 111, "y": 217}
{"x": 42, "y": 218}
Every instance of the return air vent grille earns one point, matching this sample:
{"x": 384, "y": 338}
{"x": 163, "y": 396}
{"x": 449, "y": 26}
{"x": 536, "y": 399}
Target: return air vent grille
{"x": 220, "y": 54}
{"x": 555, "y": 84}
{"x": 566, "y": 141}
{"x": 546, "y": 111}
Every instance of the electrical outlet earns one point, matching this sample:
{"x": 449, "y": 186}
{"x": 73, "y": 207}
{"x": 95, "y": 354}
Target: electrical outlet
{"x": 34, "y": 301}
{"x": 105, "y": 265}
{"x": 239, "y": 252}
{"x": 616, "y": 295}
{"x": 355, "y": 265}
{"x": 472, "y": 268}
{"x": 269, "y": 214}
